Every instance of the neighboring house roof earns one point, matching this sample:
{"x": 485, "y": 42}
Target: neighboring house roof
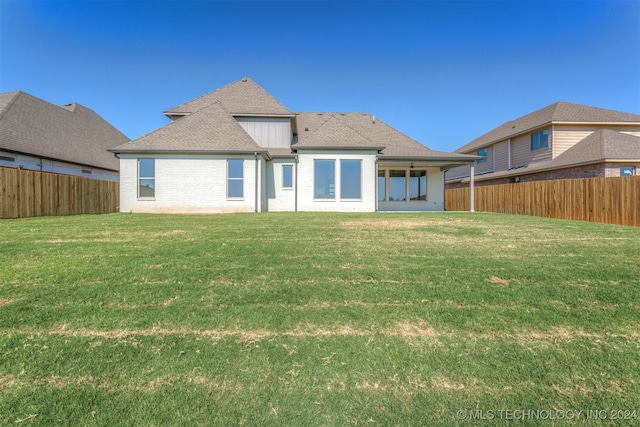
{"x": 71, "y": 133}
{"x": 241, "y": 97}
{"x": 209, "y": 129}
{"x": 560, "y": 112}
{"x": 601, "y": 146}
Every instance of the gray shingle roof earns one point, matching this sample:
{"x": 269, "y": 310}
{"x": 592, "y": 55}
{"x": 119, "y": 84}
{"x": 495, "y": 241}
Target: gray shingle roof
{"x": 555, "y": 113}
{"x": 360, "y": 130}
{"x": 70, "y": 133}
{"x": 600, "y": 146}
{"x": 209, "y": 129}
{"x": 240, "y": 97}
{"x": 209, "y": 125}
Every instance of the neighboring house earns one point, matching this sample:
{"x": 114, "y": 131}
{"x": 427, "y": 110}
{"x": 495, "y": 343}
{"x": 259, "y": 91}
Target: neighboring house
{"x": 560, "y": 141}
{"x": 237, "y": 149}
{"x": 70, "y": 139}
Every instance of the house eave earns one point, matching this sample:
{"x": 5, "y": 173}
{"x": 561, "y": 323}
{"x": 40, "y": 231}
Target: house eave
{"x": 54, "y": 159}
{"x": 169, "y": 151}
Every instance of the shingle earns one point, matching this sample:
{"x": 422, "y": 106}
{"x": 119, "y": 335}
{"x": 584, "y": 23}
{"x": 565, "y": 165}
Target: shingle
{"x": 558, "y": 112}
{"x": 71, "y": 133}
{"x": 240, "y": 97}
{"x": 360, "y": 130}
{"x": 209, "y": 129}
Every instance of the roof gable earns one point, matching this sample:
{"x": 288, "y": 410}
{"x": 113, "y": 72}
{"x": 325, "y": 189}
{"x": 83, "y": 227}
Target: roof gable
{"x": 240, "y": 97}
{"x": 209, "y": 129}
{"x": 33, "y": 126}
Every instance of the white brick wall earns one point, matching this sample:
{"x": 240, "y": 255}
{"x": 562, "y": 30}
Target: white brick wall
{"x": 187, "y": 184}
{"x": 278, "y": 198}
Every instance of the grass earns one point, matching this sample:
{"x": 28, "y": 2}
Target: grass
{"x": 317, "y": 319}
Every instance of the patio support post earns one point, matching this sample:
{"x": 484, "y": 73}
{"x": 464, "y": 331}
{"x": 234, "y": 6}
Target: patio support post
{"x": 471, "y": 189}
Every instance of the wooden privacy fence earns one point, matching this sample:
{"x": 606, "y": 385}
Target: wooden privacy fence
{"x": 613, "y": 200}
{"x": 28, "y": 193}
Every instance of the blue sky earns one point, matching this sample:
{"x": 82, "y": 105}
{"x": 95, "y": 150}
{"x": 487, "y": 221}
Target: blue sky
{"x": 442, "y": 72}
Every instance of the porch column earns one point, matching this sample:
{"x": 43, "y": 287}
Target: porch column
{"x": 471, "y": 189}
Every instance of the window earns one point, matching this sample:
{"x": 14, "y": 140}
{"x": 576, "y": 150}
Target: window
{"x": 287, "y": 176}
{"x": 146, "y": 178}
{"x": 87, "y": 171}
{"x": 235, "y": 178}
{"x": 7, "y": 159}
{"x": 418, "y": 185}
{"x": 350, "y": 179}
{"x": 382, "y": 186}
{"x": 627, "y": 171}
{"x": 324, "y": 179}
{"x": 484, "y": 154}
{"x": 540, "y": 140}
{"x": 397, "y": 185}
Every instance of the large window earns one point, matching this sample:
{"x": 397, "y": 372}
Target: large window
{"x": 397, "y": 185}
{"x": 402, "y": 185}
{"x": 324, "y": 179}
{"x": 540, "y": 140}
{"x": 418, "y": 185}
{"x": 350, "y": 179}
{"x": 484, "y": 153}
{"x": 235, "y": 178}
{"x": 382, "y": 186}
{"x": 287, "y": 176}
{"x": 146, "y": 178}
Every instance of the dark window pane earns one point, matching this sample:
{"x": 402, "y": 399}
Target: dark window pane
{"x": 234, "y": 168}
{"x": 146, "y": 168}
{"x": 147, "y": 188}
{"x": 287, "y": 176}
{"x": 324, "y": 179}
{"x": 235, "y": 188}
{"x": 382, "y": 185}
{"x": 418, "y": 185}
{"x": 397, "y": 186}
{"x": 350, "y": 179}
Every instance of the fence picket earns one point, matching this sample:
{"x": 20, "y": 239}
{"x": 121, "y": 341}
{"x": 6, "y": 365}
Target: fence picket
{"x": 25, "y": 193}
{"x": 613, "y": 200}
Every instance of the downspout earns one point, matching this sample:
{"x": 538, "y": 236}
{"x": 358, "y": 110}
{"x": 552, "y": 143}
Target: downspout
{"x": 295, "y": 194}
{"x": 256, "y": 182}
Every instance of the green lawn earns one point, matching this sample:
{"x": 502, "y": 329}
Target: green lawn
{"x": 318, "y": 319}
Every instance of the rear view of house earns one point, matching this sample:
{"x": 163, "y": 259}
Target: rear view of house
{"x": 560, "y": 141}
{"x": 69, "y": 139}
{"x": 238, "y": 149}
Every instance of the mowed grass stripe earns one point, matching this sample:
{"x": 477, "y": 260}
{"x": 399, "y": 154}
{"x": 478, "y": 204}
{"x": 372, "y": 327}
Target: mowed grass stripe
{"x": 314, "y": 319}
